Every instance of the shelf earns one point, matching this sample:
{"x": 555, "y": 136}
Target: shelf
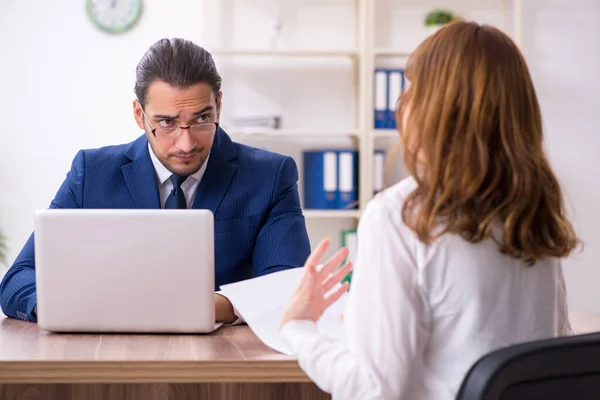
{"x": 283, "y": 133}
{"x": 251, "y": 56}
{"x": 386, "y": 133}
{"x": 323, "y": 214}
{"x": 286, "y": 52}
{"x": 385, "y": 52}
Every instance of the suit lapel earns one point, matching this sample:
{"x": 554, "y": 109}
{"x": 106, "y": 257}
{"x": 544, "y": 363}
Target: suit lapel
{"x": 217, "y": 177}
{"x": 140, "y": 176}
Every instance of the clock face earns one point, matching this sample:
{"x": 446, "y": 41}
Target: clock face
{"x": 114, "y": 16}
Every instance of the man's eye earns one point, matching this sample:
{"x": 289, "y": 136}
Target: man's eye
{"x": 204, "y": 118}
{"x": 165, "y": 123}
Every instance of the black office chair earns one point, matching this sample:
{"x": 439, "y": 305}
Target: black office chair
{"x": 561, "y": 368}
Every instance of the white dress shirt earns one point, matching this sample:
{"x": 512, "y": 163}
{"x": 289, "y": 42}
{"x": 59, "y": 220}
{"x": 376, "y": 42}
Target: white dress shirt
{"x": 189, "y": 187}
{"x": 163, "y": 176}
{"x": 419, "y": 316}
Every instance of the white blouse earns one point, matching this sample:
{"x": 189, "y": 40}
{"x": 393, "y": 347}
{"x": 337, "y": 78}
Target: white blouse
{"x": 418, "y": 316}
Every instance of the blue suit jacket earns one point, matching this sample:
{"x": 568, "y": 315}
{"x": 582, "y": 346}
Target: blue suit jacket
{"x": 253, "y": 194}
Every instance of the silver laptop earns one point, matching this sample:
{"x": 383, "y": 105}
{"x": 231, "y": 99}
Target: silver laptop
{"x": 125, "y": 270}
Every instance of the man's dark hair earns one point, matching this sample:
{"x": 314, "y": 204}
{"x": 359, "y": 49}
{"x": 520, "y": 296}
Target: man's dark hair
{"x": 178, "y": 62}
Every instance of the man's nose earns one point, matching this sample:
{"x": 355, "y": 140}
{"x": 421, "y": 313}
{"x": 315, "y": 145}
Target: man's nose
{"x": 185, "y": 142}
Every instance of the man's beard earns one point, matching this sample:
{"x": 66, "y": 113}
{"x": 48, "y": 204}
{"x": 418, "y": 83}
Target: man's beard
{"x": 186, "y": 170}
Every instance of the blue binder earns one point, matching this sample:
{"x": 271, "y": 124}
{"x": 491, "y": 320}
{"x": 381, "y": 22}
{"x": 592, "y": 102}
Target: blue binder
{"x": 395, "y": 89}
{"x": 320, "y": 179}
{"x": 348, "y": 180}
{"x": 380, "y": 98}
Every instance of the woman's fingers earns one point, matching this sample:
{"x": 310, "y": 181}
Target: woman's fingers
{"x": 336, "y": 295}
{"x": 333, "y": 263}
{"x": 314, "y": 257}
{"x": 337, "y": 277}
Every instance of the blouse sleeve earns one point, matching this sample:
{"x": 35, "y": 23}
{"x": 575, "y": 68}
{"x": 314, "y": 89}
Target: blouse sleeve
{"x": 384, "y": 321}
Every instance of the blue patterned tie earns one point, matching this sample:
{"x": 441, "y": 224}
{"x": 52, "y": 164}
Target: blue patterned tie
{"x": 177, "y": 198}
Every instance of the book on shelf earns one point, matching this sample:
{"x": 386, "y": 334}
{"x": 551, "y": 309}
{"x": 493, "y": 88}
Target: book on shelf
{"x": 320, "y": 179}
{"x": 255, "y": 123}
{"x": 389, "y": 84}
{"x": 330, "y": 179}
{"x": 347, "y": 180}
{"x": 350, "y": 241}
{"x": 378, "y": 171}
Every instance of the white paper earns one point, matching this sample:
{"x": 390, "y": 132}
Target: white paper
{"x": 261, "y": 302}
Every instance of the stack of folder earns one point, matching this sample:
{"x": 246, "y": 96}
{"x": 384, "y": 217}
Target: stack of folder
{"x": 378, "y": 171}
{"x": 388, "y": 86}
{"x": 331, "y": 178}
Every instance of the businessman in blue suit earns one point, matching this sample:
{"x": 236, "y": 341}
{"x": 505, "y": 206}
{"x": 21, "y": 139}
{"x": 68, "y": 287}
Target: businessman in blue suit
{"x": 184, "y": 160}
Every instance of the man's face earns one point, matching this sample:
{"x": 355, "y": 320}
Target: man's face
{"x": 167, "y": 106}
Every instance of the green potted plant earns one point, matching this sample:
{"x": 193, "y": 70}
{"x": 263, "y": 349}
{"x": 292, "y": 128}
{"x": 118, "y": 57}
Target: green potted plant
{"x": 3, "y": 249}
{"x": 437, "y": 18}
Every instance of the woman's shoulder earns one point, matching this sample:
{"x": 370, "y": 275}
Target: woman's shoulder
{"x": 391, "y": 200}
{"x": 384, "y": 211}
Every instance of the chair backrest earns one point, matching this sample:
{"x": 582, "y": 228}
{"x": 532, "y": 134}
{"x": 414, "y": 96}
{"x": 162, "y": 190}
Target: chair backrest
{"x": 559, "y": 368}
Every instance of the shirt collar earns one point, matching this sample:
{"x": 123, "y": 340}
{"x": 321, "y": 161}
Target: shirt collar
{"x": 163, "y": 174}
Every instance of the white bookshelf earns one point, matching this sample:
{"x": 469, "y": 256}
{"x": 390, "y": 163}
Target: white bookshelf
{"x": 389, "y": 133}
{"x": 290, "y": 133}
{"x": 286, "y": 52}
{"x": 385, "y": 52}
{"x": 361, "y": 53}
{"x": 331, "y": 214}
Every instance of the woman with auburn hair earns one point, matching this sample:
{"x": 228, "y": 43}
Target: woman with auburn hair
{"x": 461, "y": 258}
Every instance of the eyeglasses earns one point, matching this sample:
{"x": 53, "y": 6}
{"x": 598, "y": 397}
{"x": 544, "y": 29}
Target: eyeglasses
{"x": 206, "y": 128}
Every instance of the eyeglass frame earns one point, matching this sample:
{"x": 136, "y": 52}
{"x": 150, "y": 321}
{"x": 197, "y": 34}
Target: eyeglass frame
{"x": 181, "y": 128}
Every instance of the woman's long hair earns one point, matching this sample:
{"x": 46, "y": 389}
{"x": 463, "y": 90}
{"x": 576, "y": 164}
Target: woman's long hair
{"x": 472, "y": 133}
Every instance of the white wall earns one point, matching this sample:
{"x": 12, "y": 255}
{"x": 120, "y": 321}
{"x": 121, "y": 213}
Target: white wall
{"x": 561, "y": 46}
{"x": 68, "y": 86}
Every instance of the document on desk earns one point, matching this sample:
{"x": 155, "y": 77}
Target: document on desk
{"x": 261, "y": 302}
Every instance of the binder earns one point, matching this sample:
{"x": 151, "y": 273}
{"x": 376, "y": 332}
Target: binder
{"x": 350, "y": 241}
{"x": 380, "y": 101}
{"x": 348, "y": 180}
{"x": 378, "y": 171}
{"x": 395, "y": 89}
{"x": 320, "y": 179}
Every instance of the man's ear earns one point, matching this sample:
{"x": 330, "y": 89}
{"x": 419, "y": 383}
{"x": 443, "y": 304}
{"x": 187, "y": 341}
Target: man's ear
{"x": 137, "y": 114}
{"x": 219, "y": 98}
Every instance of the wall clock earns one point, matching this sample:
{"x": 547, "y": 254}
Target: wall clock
{"x": 114, "y": 16}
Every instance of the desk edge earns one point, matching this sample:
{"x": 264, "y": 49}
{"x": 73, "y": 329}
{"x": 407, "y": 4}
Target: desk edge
{"x": 258, "y": 371}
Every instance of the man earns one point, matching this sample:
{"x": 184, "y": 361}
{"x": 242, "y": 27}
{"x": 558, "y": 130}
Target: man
{"x": 184, "y": 160}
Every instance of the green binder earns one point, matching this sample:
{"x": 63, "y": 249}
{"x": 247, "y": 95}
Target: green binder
{"x": 349, "y": 241}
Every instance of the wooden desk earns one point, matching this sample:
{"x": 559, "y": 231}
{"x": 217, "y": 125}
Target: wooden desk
{"x": 231, "y": 363}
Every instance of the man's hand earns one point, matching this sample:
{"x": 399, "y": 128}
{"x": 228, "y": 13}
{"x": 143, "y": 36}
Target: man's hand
{"x": 224, "y": 310}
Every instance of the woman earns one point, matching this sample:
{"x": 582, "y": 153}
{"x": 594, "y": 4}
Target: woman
{"x": 459, "y": 259}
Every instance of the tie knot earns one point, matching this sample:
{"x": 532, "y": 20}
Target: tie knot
{"x": 177, "y": 180}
